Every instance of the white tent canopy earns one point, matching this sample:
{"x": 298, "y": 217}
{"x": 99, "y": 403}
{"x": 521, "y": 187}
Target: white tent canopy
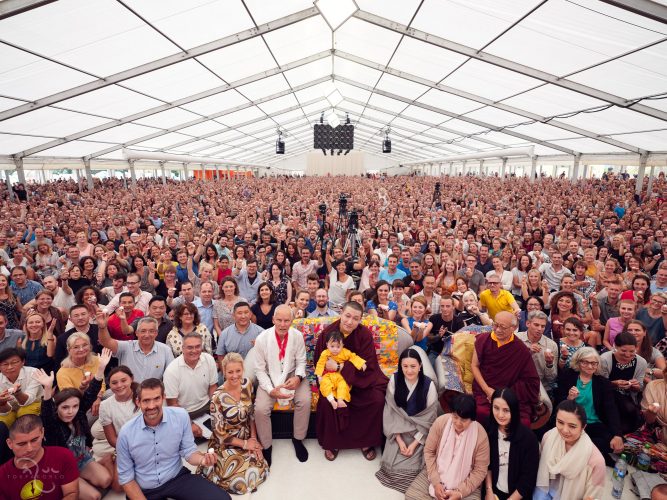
{"x": 84, "y": 79}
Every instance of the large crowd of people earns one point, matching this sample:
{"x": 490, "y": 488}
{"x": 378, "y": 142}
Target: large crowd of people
{"x": 127, "y": 317}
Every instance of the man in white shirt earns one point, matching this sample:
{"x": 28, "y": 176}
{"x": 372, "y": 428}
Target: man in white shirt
{"x": 141, "y": 298}
{"x": 280, "y": 367}
{"x": 191, "y": 379}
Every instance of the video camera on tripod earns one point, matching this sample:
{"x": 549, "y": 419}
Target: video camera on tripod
{"x": 437, "y": 196}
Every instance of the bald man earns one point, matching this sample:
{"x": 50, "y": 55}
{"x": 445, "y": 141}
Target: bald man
{"x": 501, "y": 359}
{"x": 280, "y": 355}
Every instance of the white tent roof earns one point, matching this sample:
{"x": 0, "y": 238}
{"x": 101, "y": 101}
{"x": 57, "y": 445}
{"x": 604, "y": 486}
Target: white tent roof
{"x": 86, "y": 78}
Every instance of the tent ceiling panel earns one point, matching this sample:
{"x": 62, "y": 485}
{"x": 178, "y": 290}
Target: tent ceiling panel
{"x": 401, "y": 86}
{"x": 26, "y": 76}
{"x": 442, "y": 134}
{"x": 122, "y": 133}
{"x": 193, "y": 146}
{"x": 366, "y": 40}
{"x": 174, "y": 82}
{"x": 201, "y": 128}
{"x": 311, "y": 109}
{"x": 112, "y": 101}
{"x": 409, "y": 124}
{"x": 352, "y": 92}
{"x": 49, "y": 122}
{"x": 450, "y": 102}
{"x": 6, "y": 103}
{"x": 544, "y": 150}
{"x": 164, "y": 140}
{"x": 655, "y": 141}
{"x": 299, "y": 40}
{"x": 425, "y": 60}
{"x": 11, "y": 143}
{"x": 75, "y": 148}
{"x": 616, "y": 121}
{"x": 217, "y": 102}
{"x": 169, "y": 118}
{"x": 100, "y": 48}
{"x": 424, "y": 114}
{"x": 257, "y": 126}
{"x": 239, "y": 60}
{"x": 355, "y": 71}
{"x": 489, "y": 81}
{"x": 563, "y": 27}
{"x": 308, "y": 72}
{"x": 586, "y": 145}
{"x": 544, "y": 131}
{"x": 263, "y": 11}
{"x": 353, "y": 108}
{"x": 455, "y": 20}
{"x": 550, "y": 100}
{"x": 262, "y": 88}
{"x": 463, "y": 127}
{"x": 496, "y": 116}
{"x": 310, "y": 93}
{"x": 379, "y": 116}
{"x": 289, "y": 115}
{"x": 387, "y": 103}
{"x": 401, "y": 11}
{"x": 241, "y": 116}
{"x": 279, "y": 103}
{"x": 196, "y": 22}
{"x": 501, "y": 138}
{"x": 636, "y": 75}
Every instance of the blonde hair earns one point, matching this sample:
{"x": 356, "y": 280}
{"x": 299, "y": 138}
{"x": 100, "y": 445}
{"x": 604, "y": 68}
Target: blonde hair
{"x": 230, "y": 357}
{"x": 43, "y": 342}
{"x": 67, "y": 362}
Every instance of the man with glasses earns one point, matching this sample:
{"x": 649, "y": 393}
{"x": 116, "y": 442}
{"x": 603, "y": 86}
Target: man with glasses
{"x": 500, "y": 359}
{"x": 191, "y": 380}
{"x": 141, "y": 298}
{"x": 20, "y": 393}
{"x": 474, "y": 276}
{"x": 495, "y": 299}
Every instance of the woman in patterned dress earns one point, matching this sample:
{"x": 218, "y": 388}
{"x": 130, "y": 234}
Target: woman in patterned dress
{"x": 240, "y": 465}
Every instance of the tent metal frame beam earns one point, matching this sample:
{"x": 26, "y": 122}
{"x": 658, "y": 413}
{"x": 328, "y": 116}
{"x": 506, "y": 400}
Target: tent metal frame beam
{"x": 180, "y": 102}
{"x": 507, "y": 64}
{"x": 487, "y": 102}
{"x": 479, "y": 123}
{"x": 9, "y": 8}
{"x": 161, "y": 63}
{"x": 646, "y": 8}
{"x": 206, "y": 118}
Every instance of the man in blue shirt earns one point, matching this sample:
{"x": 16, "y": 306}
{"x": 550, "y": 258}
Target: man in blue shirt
{"x": 392, "y": 272}
{"x": 150, "y": 447}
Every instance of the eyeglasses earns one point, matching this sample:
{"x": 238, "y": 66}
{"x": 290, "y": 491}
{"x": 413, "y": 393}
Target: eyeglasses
{"x": 132, "y": 282}
{"x": 9, "y": 364}
{"x": 493, "y": 283}
{"x": 589, "y": 363}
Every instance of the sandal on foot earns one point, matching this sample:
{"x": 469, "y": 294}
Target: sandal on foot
{"x": 369, "y": 453}
{"x": 330, "y": 455}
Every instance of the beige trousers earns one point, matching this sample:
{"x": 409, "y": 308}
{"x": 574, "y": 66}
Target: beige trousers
{"x": 264, "y": 405}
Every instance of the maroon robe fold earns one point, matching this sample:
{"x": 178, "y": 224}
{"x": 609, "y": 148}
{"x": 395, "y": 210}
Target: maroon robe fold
{"x": 510, "y": 365}
{"x": 360, "y": 424}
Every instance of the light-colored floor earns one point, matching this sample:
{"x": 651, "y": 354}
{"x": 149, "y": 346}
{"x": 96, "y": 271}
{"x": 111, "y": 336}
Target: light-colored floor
{"x": 350, "y": 477}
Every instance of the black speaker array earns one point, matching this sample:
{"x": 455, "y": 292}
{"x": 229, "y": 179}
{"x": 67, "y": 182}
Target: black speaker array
{"x": 326, "y": 137}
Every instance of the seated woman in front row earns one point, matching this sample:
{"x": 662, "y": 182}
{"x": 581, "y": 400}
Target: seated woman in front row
{"x": 515, "y": 452}
{"x": 411, "y": 406}
{"x": 570, "y": 464}
{"x": 456, "y": 455}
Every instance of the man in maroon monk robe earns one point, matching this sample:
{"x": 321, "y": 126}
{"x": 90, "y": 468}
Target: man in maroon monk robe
{"x": 359, "y": 425}
{"x": 502, "y": 360}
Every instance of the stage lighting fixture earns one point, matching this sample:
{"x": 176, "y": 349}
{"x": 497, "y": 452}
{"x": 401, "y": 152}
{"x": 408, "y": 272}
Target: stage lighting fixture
{"x": 339, "y": 152}
{"x": 280, "y": 144}
{"x": 322, "y": 117}
{"x": 346, "y": 152}
{"x": 386, "y": 144}
{"x": 347, "y": 118}
{"x": 324, "y": 151}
